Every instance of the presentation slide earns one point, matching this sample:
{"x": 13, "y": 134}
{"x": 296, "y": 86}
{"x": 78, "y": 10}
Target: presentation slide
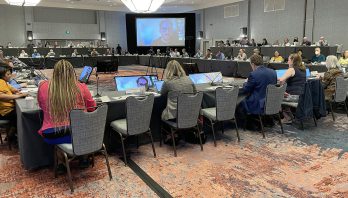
{"x": 160, "y": 31}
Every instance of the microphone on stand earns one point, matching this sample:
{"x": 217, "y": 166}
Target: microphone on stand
{"x": 96, "y": 75}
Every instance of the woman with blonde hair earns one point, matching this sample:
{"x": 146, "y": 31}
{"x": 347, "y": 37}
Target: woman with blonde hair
{"x": 329, "y": 80}
{"x": 344, "y": 59}
{"x": 175, "y": 80}
{"x": 57, "y": 97}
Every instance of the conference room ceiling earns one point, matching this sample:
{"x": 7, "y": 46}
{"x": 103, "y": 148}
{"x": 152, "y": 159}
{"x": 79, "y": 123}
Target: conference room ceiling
{"x": 170, "y": 6}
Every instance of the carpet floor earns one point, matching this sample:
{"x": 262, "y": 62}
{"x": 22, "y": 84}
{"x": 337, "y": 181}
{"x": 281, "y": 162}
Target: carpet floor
{"x": 309, "y": 163}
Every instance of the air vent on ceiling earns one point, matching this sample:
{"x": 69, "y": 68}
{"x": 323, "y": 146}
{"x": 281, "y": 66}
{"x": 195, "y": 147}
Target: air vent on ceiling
{"x": 231, "y": 11}
{"x": 273, "y": 5}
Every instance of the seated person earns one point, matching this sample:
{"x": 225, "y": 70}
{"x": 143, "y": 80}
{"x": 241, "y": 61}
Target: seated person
{"x": 9, "y": 45}
{"x": 57, "y": 98}
{"x": 344, "y": 59}
{"x": 300, "y": 53}
{"x": 241, "y": 55}
{"x": 158, "y": 52}
{"x": 306, "y": 42}
{"x": 277, "y": 58}
{"x": 295, "y": 77}
{"x": 150, "y": 52}
{"x": 198, "y": 54}
{"x": 220, "y": 56}
{"x": 184, "y": 53}
{"x": 208, "y": 55}
{"x": 295, "y": 40}
{"x": 264, "y": 42}
{"x": 94, "y": 53}
{"x": 75, "y": 53}
{"x": 252, "y": 43}
{"x": 322, "y": 42}
{"x": 257, "y": 52}
{"x": 244, "y": 41}
{"x": 176, "y": 52}
{"x": 14, "y": 83}
{"x": 329, "y": 80}
{"x": 276, "y": 43}
{"x": 172, "y": 53}
{"x": 7, "y": 96}
{"x": 175, "y": 79}
{"x": 108, "y": 52}
{"x": 4, "y": 61}
{"x": 23, "y": 54}
{"x": 256, "y": 86}
{"x": 35, "y": 54}
{"x": 51, "y": 53}
{"x": 318, "y": 58}
{"x": 286, "y": 42}
{"x": 228, "y": 44}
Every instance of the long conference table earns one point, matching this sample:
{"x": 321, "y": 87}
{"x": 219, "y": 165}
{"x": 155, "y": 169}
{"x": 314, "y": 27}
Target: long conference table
{"x": 308, "y": 51}
{"x": 228, "y": 68}
{"x": 35, "y": 153}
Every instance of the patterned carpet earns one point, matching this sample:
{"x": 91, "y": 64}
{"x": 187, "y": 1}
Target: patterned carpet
{"x": 278, "y": 166}
{"x": 309, "y": 163}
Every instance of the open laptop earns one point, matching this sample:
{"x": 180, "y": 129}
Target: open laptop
{"x": 202, "y": 78}
{"x": 159, "y": 85}
{"x": 124, "y": 83}
{"x": 281, "y": 72}
{"x": 86, "y": 73}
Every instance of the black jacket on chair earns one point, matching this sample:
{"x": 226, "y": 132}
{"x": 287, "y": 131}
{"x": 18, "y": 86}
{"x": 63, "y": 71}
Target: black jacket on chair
{"x": 318, "y": 98}
{"x": 304, "y": 108}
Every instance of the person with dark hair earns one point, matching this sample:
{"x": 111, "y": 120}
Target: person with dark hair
{"x": 241, "y": 55}
{"x": 256, "y": 85}
{"x": 119, "y": 49}
{"x": 295, "y": 40}
{"x": 264, "y": 42}
{"x": 208, "y": 55}
{"x": 295, "y": 77}
{"x": 252, "y": 43}
{"x": 7, "y": 96}
{"x": 220, "y": 55}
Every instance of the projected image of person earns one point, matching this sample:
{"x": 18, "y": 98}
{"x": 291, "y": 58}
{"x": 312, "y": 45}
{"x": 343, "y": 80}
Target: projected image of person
{"x": 168, "y": 35}
{"x": 142, "y": 82}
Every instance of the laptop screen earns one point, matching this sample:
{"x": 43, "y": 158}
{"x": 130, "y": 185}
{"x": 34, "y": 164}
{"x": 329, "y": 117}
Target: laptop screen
{"x": 158, "y": 85}
{"x": 86, "y": 73}
{"x": 206, "y": 78}
{"x": 281, "y": 72}
{"x": 124, "y": 83}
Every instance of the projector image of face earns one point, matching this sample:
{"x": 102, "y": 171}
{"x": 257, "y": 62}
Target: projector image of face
{"x": 167, "y": 35}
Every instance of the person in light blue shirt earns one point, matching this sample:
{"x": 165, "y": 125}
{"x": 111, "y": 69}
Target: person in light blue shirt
{"x": 220, "y": 56}
{"x": 35, "y": 54}
{"x": 15, "y": 84}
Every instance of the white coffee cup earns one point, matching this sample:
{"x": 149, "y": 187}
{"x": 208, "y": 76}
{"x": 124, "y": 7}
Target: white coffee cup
{"x": 29, "y": 101}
